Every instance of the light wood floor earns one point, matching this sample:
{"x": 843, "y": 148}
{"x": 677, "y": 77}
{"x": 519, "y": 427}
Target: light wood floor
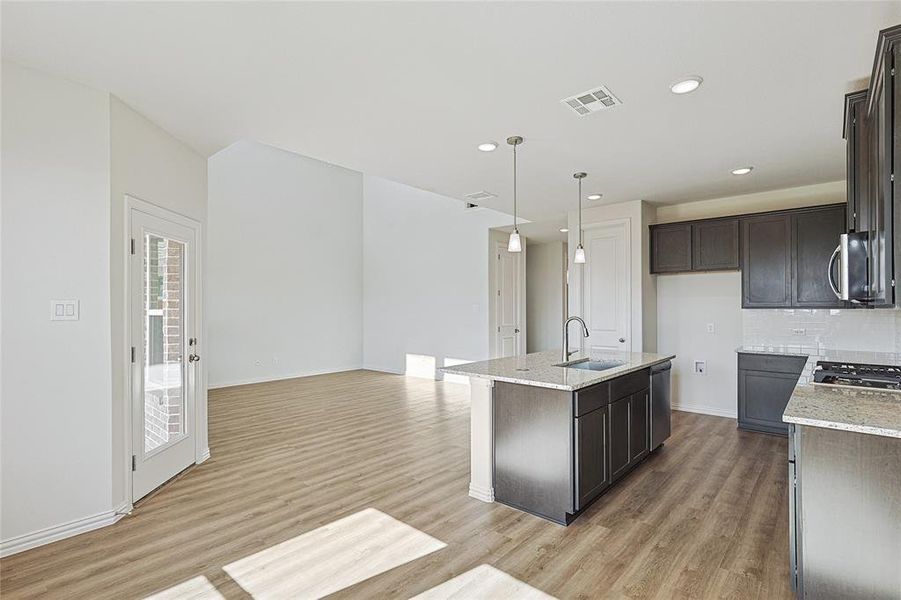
{"x": 705, "y": 517}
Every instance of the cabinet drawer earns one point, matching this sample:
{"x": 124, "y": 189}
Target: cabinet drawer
{"x": 629, "y": 384}
{"x": 592, "y": 398}
{"x": 771, "y": 363}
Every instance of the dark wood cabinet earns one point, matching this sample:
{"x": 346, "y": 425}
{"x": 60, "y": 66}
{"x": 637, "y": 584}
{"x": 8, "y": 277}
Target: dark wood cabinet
{"x": 765, "y": 384}
{"x": 671, "y": 248}
{"x": 858, "y": 158}
{"x": 629, "y": 431}
{"x": 766, "y": 271}
{"x": 639, "y": 411}
{"x": 620, "y": 458}
{"x": 814, "y": 236}
{"x": 715, "y": 245}
{"x": 592, "y": 460}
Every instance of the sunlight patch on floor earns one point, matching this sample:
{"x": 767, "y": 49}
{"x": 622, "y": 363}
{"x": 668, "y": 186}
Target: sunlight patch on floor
{"x": 484, "y": 582}
{"x": 420, "y": 365}
{"x": 197, "y": 588}
{"x": 332, "y": 557}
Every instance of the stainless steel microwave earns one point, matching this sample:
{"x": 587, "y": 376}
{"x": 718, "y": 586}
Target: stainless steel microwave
{"x": 849, "y": 269}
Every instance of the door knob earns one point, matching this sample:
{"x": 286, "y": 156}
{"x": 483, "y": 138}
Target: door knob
{"x": 516, "y": 331}
{"x": 193, "y": 357}
{"x": 622, "y": 340}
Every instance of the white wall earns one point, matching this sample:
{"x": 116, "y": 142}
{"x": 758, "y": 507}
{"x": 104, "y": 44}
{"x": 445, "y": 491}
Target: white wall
{"x": 686, "y": 303}
{"x": 545, "y": 280}
{"x": 284, "y": 268}
{"x": 56, "y": 389}
{"x": 148, "y": 163}
{"x": 425, "y": 277}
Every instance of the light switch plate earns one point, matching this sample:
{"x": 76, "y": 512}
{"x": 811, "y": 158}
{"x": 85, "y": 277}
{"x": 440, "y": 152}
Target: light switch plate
{"x": 64, "y": 310}
{"x": 711, "y": 328}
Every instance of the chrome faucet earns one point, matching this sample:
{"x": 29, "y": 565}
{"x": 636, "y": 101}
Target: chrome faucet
{"x": 566, "y": 352}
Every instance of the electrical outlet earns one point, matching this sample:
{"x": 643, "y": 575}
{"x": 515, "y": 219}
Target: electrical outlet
{"x": 700, "y": 367}
{"x": 64, "y": 310}
{"x": 711, "y": 328}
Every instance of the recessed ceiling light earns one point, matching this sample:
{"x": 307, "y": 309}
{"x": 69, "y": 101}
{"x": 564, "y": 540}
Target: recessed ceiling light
{"x": 564, "y": 230}
{"x": 689, "y": 84}
{"x": 594, "y": 196}
{"x": 742, "y": 170}
{"x": 488, "y": 146}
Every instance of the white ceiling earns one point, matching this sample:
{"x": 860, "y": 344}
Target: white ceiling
{"x": 406, "y": 90}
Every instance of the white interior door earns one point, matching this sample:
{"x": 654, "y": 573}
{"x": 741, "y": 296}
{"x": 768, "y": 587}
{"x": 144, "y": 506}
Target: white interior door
{"x": 607, "y": 286}
{"x": 162, "y": 291}
{"x": 508, "y": 303}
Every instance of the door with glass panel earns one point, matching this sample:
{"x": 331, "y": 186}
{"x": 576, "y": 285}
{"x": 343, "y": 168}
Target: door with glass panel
{"x": 163, "y": 348}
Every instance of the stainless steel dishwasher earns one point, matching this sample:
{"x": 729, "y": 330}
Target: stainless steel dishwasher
{"x": 660, "y": 403}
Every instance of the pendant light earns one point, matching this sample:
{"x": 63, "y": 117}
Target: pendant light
{"x": 515, "y": 243}
{"x": 579, "y": 256}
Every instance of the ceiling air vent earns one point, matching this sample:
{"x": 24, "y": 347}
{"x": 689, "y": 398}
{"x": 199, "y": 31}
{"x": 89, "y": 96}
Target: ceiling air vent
{"x": 480, "y": 196}
{"x": 591, "y": 101}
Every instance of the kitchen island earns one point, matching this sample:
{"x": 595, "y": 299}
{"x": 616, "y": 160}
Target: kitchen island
{"x": 845, "y": 491}
{"x": 549, "y": 437}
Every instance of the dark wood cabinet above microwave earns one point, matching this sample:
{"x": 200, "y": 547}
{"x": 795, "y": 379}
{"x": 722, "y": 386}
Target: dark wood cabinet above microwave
{"x": 872, "y": 130}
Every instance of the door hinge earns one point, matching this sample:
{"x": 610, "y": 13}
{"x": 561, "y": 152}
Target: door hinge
{"x": 498, "y": 256}
{"x": 132, "y": 354}
{"x": 134, "y": 462}
{"x": 132, "y": 245}
{"x": 893, "y": 71}
{"x": 498, "y": 329}
{"x": 498, "y": 292}
{"x": 892, "y": 177}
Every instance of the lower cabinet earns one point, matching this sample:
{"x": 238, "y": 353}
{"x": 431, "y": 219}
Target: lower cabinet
{"x": 765, "y": 384}
{"x": 628, "y": 431}
{"x": 592, "y": 460}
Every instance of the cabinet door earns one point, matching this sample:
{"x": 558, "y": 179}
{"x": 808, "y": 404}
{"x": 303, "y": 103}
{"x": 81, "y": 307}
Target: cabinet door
{"x": 592, "y": 460}
{"x": 815, "y": 234}
{"x": 638, "y": 425}
{"x": 620, "y": 456}
{"x": 762, "y": 396}
{"x": 671, "y": 248}
{"x": 715, "y": 245}
{"x": 858, "y": 156}
{"x": 766, "y": 261}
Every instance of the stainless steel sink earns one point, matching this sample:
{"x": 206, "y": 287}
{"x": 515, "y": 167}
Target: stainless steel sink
{"x": 592, "y": 365}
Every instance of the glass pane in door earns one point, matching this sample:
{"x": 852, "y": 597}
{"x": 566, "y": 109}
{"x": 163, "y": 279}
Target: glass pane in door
{"x": 163, "y": 316}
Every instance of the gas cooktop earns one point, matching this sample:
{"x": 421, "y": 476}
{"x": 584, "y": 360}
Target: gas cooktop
{"x": 884, "y": 377}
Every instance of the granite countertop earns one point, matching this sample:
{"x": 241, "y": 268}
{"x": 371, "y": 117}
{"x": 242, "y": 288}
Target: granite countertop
{"x": 855, "y": 356}
{"x": 539, "y": 368}
{"x": 875, "y": 412}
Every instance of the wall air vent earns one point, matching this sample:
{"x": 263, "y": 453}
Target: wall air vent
{"x": 480, "y": 196}
{"x": 591, "y": 101}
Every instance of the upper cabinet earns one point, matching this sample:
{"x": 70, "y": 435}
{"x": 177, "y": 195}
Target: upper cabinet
{"x": 784, "y": 256}
{"x": 858, "y": 157}
{"x": 710, "y": 245}
{"x": 872, "y": 129}
{"x": 671, "y": 248}
{"x": 715, "y": 245}
{"x": 766, "y": 261}
{"x": 814, "y": 236}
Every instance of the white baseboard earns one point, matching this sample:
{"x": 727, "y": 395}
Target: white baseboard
{"x": 204, "y": 454}
{"x": 704, "y": 409}
{"x": 251, "y": 380}
{"x": 384, "y": 369}
{"x": 58, "y": 532}
{"x": 480, "y": 493}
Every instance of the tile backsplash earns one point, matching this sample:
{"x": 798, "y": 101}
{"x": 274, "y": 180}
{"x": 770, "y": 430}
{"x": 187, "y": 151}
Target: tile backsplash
{"x": 877, "y": 330}
{"x": 815, "y": 331}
